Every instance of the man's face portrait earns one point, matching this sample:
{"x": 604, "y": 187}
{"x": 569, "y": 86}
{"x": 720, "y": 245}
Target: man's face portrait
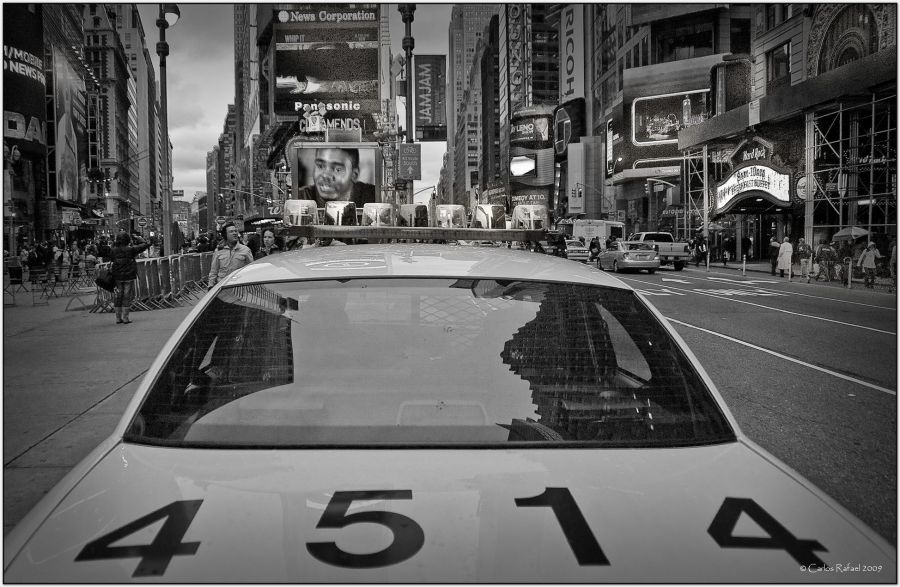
{"x": 232, "y": 235}
{"x": 334, "y": 174}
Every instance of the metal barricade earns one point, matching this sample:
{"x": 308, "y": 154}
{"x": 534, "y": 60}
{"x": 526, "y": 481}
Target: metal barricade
{"x": 142, "y": 287}
{"x": 205, "y": 266}
{"x": 163, "y": 265}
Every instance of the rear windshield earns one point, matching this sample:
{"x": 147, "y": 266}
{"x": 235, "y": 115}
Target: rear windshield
{"x": 395, "y": 362}
{"x": 639, "y": 246}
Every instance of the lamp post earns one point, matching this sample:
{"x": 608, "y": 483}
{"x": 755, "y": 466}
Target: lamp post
{"x": 407, "y": 11}
{"x": 168, "y": 16}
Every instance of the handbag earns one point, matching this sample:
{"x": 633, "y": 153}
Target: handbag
{"x": 105, "y": 279}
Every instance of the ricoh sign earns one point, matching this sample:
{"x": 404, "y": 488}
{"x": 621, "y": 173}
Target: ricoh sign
{"x": 571, "y": 53}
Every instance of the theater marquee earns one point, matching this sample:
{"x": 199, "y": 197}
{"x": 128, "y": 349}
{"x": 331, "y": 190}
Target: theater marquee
{"x": 753, "y": 181}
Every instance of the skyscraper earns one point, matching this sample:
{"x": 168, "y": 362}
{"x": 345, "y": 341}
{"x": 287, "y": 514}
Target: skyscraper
{"x": 467, "y": 25}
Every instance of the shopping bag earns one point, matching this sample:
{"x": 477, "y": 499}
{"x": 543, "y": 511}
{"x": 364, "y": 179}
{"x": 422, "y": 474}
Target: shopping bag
{"x": 815, "y": 269}
{"x": 105, "y": 279}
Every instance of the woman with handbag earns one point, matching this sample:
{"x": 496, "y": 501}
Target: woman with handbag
{"x": 124, "y": 269}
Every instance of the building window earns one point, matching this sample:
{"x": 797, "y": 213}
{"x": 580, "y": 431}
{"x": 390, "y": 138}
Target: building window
{"x": 775, "y": 15}
{"x": 740, "y": 35}
{"x": 778, "y": 68}
{"x": 645, "y": 49}
{"x": 685, "y": 39}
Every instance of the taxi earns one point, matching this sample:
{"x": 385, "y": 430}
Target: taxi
{"x": 415, "y": 413}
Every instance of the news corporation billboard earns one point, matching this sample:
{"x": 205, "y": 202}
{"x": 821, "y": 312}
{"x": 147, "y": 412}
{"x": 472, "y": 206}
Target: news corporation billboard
{"x": 326, "y": 67}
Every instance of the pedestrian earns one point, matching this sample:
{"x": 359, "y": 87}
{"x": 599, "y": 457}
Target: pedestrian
{"x": 702, "y": 251}
{"x": 269, "y": 246}
{"x": 229, "y": 255}
{"x": 774, "y": 248}
{"x": 785, "y": 255}
{"x": 894, "y": 263}
{"x": 746, "y": 247}
{"x": 594, "y": 248}
{"x": 804, "y": 253}
{"x": 867, "y": 262}
{"x": 104, "y": 251}
{"x": 825, "y": 257}
{"x": 124, "y": 270}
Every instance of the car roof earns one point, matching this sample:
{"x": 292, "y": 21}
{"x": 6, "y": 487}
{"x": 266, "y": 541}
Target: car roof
{"x": 417, "y": 260}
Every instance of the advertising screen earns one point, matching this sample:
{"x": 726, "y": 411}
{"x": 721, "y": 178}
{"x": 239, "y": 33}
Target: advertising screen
{"x": 71, "y": 135}
{"x": 24, "y": 83}
{"x": 326, "y": 66}
{"x": 335, "y": 172}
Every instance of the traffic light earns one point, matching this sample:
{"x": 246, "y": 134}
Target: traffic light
{"x": 647, "y": 188}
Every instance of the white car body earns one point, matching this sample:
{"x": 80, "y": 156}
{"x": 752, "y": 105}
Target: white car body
{"x": 575, "y": 251}
{"x": 727, "y": 512}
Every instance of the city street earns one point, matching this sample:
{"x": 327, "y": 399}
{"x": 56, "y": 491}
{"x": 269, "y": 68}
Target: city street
{"x": 809, "y": 371}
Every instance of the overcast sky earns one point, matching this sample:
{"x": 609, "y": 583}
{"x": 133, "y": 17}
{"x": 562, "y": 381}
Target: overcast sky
{"x": 200, "y": 80}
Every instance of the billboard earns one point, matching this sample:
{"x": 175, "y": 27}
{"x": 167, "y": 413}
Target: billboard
{"x": 326, "y": 67}
{"x": 326, "y": 172}
{"x": 71, "y": 131}
{"x": 517, "y": 58}
{"x": 571, "y": 53}
{"x": 658, "y": 101}
{"x": 24, "y": 84}
{"x": 430, "y": 88}
{"x": 569, "y": 126}
{"x": 532, "y": 128}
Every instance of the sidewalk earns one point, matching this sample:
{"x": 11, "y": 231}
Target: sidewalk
{"x": 67, "y": 377}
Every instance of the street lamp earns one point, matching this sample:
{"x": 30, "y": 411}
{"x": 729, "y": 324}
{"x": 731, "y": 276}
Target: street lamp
{"x": 168, "y": 16}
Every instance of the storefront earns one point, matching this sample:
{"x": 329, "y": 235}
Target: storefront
{"x": 824, "y": 148}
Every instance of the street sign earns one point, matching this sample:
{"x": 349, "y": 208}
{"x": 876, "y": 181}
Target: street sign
{"x": 220, "y": 220}
{"x": 410, "y": 161}
{"x": 142, "y": 221}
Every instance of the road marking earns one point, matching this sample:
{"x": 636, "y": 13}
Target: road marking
{"x": 747, "y": 281}
{"x": 721, "y": 297}
{"x": 659, "y": 292}
{"x": 675, "y": 280}
{"x": 787, "y": 358}
{"x": 797, "y": 293}
{"x": 740, "y": 292}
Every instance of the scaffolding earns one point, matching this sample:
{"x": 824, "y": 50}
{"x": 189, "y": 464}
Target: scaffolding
{"x": 851, "y": 151}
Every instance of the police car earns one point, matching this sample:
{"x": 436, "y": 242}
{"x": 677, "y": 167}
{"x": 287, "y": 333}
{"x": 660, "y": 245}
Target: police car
{"x": 427, "y": 413}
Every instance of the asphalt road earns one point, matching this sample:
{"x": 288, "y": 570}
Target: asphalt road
{"x": 808, "y": 370}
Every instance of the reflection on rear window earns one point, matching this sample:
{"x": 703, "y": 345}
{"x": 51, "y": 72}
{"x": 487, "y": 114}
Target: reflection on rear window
{"x": 640, "y": 247}
{"x": 367, "y": 362}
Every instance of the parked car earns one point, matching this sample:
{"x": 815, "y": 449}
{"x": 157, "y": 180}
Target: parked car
{"x": 670, "y": 251}
{"x": 413, "y": 413}
{"x": 575, "y": 251}
{"x": 629, "y": 255}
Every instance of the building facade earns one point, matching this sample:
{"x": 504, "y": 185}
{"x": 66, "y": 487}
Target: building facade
{"x": 817, "y": 137}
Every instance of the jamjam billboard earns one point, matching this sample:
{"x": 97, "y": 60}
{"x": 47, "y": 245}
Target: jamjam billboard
{"x": 326, "y": 67}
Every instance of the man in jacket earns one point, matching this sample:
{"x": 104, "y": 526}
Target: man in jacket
{"x": 867, "y": 263}
{"x": 229, "y": 255}
{"x": 804, "y": 253}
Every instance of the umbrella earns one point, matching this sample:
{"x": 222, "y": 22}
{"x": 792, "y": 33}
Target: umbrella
{"x": 713, "y": 226}
{"x": 850, "y": 233}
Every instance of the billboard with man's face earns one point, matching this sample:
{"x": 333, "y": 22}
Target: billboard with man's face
{"x": 326, "y": 67}
{"x": 335, "y": 172}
